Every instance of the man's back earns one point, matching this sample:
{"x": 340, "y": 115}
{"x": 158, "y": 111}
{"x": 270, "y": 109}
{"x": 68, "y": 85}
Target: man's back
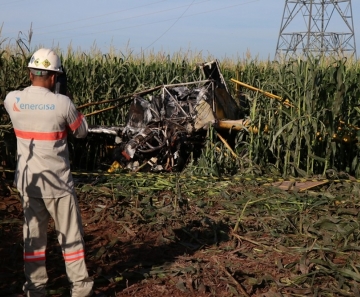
{"x": 41, "y": 120}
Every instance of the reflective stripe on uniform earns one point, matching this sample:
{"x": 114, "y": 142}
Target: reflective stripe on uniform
{"x": 69, "y": 257}
{"x": 76, "y": 124}
{"x": 34, "y": 256}
{"x": 41, "y": 135}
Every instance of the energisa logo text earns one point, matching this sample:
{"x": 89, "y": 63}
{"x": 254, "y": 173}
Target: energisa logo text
{"x": 31, "y": 106}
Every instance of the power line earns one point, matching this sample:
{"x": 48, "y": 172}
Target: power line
{"x": 123, "y": 19}
{"x": 150, "y": 23}
{"x": 88, "y": 18}
{"x": 171, "y": 25}
{"x": 98, "y": 16}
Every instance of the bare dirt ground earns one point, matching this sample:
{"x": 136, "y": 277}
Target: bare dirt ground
{"x": 140, "y": 259}
{"x": 143, "y": 250}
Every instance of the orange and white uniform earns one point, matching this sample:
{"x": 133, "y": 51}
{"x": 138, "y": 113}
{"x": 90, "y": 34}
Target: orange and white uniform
{"x": 41, "y": 121}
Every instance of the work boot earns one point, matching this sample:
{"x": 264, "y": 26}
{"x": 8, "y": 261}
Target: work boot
{"x": 83, "y": 288}
{"x": 39, "y": 292}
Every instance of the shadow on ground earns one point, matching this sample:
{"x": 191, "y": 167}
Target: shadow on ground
{"x": 122, "y": 255}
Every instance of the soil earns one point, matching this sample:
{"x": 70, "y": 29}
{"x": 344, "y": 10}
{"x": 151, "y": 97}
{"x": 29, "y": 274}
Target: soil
{"x": 141, "y": 260}
{"x": 134, "y": 251}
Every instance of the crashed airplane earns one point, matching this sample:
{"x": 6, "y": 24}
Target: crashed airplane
{"x": 163, "y": 130}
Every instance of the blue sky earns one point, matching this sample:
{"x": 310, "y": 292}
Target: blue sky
{"x": 217, "y": 28}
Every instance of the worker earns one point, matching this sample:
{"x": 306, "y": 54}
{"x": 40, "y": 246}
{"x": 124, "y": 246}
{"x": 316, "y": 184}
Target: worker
{"x": 41, "y": 121}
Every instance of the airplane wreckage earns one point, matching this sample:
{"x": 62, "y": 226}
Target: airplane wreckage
{"x": 163, "y": 130}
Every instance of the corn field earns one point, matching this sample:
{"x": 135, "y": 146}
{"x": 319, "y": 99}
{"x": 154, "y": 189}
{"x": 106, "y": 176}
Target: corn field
{"x": 316, "y": 133}
{"x": 213, "y": 229}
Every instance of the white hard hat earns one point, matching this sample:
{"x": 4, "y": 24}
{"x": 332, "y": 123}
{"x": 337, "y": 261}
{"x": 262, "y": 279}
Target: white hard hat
{"x": 45, "y": 59}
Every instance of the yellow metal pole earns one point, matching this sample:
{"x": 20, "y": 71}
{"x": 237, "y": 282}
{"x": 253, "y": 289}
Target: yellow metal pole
{"x": 256, "y": 89}
{"x": 227, "y": 146}
{"x": 235, "y": 125}
{"x": 267, "y": 94}
{"x": 286, "y": 102}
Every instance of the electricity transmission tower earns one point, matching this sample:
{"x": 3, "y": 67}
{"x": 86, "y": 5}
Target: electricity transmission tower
{"x": 317, "y": 27}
